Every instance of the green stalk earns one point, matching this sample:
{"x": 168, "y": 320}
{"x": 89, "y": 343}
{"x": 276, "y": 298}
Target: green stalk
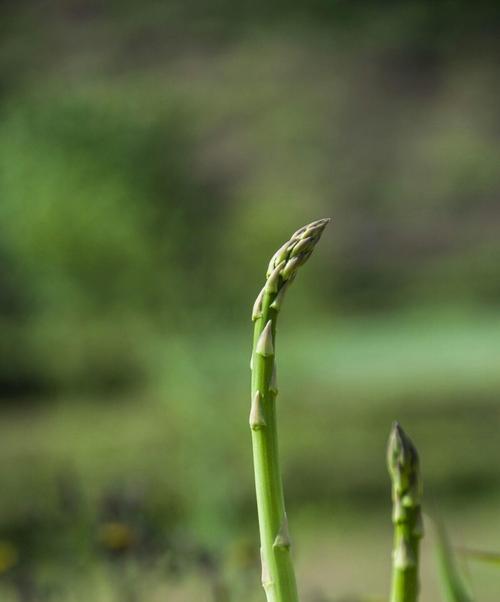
{"x": 278, "y": 577}
{"x": 403, "y": 466}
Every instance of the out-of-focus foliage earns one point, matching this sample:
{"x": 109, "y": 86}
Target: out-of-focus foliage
{"x": 152, "y": 157}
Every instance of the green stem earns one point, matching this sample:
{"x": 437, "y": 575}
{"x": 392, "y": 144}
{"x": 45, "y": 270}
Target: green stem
{"x": 278, "y": 576}
{"x": 407, "y": 516}
{"x": 405, "y": 571}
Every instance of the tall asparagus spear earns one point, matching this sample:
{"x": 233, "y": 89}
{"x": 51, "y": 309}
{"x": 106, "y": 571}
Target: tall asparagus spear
{"x": 403, "y": 466}
{"x": 278, "y": 577}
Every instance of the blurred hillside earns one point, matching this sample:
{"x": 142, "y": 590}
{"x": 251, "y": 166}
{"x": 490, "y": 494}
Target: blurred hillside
{"x": 152, "y": 157}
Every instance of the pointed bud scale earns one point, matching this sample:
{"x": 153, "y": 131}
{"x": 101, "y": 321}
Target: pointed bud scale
{"x": 283, "y": 537}
{"x": 298, "y": 233}
{"x": 304, "y": 256}
{"x": 278, "y": 300}
{"x": 265, "y": 345}
{"x": 273, "y": 385}
{"x": 280, "y": 255}
{"x": 257, "y": 419}
{"x": 315, "y": 231}
{"x": 317, "y": 226}
{"x": 257, "y": 306}
{"x": 290, "y": 268}
{"x": 399, "y": 512}
{"x": 304, "y": 245}
{"x": 404, "y": 557}
{"x": 317, "y": 222}
{"x": 273, "y": 279}
{"x": 301, "y": 259}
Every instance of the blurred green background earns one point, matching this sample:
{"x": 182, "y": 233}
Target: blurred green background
{"x": 152, "y": 157}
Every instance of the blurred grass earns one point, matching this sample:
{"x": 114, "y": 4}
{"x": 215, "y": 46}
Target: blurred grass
{"x": 436, "y": 372}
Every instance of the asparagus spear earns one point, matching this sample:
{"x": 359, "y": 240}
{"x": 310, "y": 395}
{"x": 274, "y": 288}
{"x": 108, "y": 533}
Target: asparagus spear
{"x": 278, "y": 577}
{"x": 403, "y": 466}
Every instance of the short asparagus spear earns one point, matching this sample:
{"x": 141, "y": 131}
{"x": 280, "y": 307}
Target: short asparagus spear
{"x": 278, "y": 577}
{"x": 403, "y": 466}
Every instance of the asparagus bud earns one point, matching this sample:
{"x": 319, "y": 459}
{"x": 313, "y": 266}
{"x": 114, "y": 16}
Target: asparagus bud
{"x": 295, "y": 252}
{"x": 278, "y": 576}
{"x": 403, "y": 464}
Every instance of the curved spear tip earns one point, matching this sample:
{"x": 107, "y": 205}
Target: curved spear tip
{"x": 314, "y": 230}
{"x": 324, "y": 221}
{"x": 297, "y": 249}
{"x": 317, "y": 225}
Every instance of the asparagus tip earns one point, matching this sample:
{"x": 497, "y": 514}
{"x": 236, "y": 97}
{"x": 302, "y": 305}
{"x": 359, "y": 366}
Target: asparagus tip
{"x": 402, "y": 454}
{"x": 297, "y": 250}
{"x": 403, "y": 464}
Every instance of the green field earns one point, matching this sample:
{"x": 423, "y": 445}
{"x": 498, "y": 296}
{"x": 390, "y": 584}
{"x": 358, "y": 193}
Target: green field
{"x": 436, "y": 373}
